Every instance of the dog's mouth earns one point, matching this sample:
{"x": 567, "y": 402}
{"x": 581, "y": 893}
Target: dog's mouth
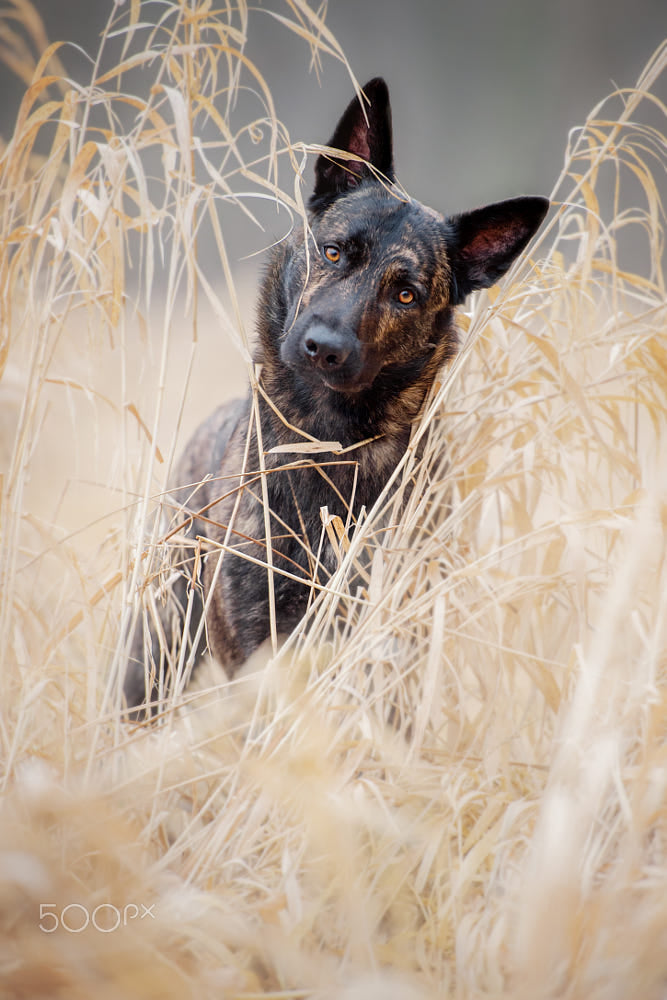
{"x": 327, "y": 356}
{"x": 353, "y": 381}
{"x": 347, "y": 386}
{"x": 353, "y": 377}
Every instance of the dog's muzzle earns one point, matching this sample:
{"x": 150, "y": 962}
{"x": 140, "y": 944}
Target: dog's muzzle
{"x": 326, "y": 349}
{"x": 329, "y": 355}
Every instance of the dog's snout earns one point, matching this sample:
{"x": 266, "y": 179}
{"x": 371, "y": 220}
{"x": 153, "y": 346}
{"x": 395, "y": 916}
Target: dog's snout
{"x": 326, "y": 348}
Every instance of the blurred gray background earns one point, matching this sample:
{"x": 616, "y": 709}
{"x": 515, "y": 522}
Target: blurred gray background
{"x": 484, "y": 93}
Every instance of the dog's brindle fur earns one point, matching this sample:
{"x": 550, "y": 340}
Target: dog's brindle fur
{"x": 355, "y": 322}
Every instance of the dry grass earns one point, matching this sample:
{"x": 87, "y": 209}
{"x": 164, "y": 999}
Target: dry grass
{"x": 461, "y": 790}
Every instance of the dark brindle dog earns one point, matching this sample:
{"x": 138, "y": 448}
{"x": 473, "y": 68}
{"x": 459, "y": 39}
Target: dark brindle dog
{"x": 354, "y": 325}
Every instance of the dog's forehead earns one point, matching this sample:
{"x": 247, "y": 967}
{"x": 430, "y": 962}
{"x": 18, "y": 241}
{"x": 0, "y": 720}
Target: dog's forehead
{"x": 382, "y": 219}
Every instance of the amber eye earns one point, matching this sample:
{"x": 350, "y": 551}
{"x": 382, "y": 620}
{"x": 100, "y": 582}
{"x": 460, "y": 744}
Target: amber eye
{"x": 332, "y": 253}
{"x": 406, "y": 296}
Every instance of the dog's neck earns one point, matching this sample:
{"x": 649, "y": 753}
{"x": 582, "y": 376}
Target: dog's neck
{"x": 350, "y": 418}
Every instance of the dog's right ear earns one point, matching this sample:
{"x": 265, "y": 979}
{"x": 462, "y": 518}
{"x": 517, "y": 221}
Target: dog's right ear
{"x": 367, "y": 136}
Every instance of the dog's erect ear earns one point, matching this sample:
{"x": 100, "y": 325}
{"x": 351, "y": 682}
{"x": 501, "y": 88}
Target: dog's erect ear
{"x": 366, "y": 136}
{"x": 487, "y": 240}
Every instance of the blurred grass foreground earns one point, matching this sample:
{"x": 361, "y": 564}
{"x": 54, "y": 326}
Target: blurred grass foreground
{"x": 460, "y": 789}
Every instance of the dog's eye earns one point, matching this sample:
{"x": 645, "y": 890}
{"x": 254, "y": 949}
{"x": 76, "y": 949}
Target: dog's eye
{"x": 332, "y": 253}
{"x": 406, "y": 296}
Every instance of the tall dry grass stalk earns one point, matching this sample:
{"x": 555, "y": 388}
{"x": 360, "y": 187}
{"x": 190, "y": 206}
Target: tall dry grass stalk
{"x": 451, "y": 783}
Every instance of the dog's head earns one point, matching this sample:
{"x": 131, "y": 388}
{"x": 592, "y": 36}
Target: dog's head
{"x": 371, "y": 303}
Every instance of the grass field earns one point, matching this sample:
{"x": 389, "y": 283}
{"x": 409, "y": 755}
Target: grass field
{"x": 452, "y": 783}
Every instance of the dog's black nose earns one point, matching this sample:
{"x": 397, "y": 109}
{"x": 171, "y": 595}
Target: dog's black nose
{"x": 326, "y": 348}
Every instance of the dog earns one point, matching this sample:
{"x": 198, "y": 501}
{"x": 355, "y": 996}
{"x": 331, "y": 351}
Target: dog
{"x": 356, "y": 318}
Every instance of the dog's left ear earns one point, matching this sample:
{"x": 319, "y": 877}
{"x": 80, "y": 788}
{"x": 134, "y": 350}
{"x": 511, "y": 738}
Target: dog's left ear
{"x": 485, "y": 242}
{"x": 367, "y": 136}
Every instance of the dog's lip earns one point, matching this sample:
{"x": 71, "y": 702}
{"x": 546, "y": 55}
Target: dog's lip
{"x": 351, "y": 383}
{"x": 351, "y": 386}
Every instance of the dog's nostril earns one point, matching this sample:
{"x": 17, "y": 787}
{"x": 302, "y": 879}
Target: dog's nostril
{"x": 326, "y": 348}
{"x": 317, "y": 351}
